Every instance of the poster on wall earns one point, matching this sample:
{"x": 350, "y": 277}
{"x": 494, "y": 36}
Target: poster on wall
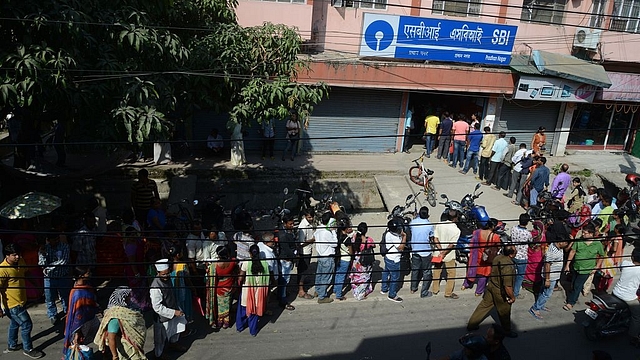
{"x": 418, "y": 38}
{"x": 553, "y": 89}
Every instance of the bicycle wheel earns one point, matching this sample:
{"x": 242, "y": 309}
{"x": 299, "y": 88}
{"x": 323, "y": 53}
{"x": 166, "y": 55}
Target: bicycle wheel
{"x": 431, "y": 194}
{"x": 415, "y": 174}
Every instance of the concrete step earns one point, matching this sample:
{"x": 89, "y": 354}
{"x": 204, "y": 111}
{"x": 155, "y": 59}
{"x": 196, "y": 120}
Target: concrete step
{"x": 395, "y": 189}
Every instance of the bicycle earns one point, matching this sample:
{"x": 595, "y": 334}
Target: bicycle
{"x": 422, "y": 176}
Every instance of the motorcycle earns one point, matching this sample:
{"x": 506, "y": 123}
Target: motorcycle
{"x": 470, "y": 218}
{"x": 608, "y": 315}
{"x": 280, "y": 211}
{"x": 405, "y": 214}
{"x": 547, "y": 204}
{"x": 324, "y": 204}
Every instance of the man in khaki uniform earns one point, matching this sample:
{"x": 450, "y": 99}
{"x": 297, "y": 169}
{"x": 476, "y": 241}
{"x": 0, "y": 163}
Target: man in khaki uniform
{"x": 499, "y": 293}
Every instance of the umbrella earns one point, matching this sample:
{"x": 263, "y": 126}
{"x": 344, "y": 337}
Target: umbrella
{"x": 30, "y": 205}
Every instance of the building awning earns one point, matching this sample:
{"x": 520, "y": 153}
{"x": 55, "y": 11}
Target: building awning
{"x": 625, "y": 87}
{"x": 523, "y": 64}
{"x": 572, "y": 68}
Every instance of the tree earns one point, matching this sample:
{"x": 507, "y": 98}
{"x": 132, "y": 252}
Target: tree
{"x": 115, "y": 69}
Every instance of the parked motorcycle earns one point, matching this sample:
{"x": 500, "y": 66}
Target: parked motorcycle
{"x": 547, "y": 204}
{"x": 280, "y": 211}
{"x": 608, "y": 315}
{"x": 324, "y": 204}
{"x": 470, "y": 218}
{"x": 404, "y": 214}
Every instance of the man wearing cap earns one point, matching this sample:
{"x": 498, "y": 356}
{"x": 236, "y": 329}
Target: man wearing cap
{"x": 169, "y": 320}
{"x": 14, "y": 299}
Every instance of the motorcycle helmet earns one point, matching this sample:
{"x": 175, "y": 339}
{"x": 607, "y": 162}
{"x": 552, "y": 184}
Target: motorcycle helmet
{"x": 632, "y": 179}
{"x": 456, "y": 206}
{"x": 394, "y": 225}
{"x": 477, "y": 344}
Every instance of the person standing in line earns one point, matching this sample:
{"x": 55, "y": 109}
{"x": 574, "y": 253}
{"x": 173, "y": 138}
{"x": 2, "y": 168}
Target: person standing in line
{"x": 143, "y": 192}
{"x": 445, "y": 238}
{"x": 539, "y": 141}
{"x": 54, "y": 257}
{"x": 497, "y": 153}
{"x": 587, "y": 256}
{"x": 254, "y": 278}
{"x": 13, "y": 290}
{"x": 169, "y": 320}
{"x": 306, "y": 231}
{"x": 485, "y": 154}
{"x": 268, "y": 137}
{"x": 293, "y": 135}
{"x": 473, "y": 152}
{"x": 528, "y": 164}
{"x": 444, "y": 137}
{"x": 516, "y": 160}
{"x": 421, "y": 237}
{"x": 395, "y": 240}
{"x": 499, "y": 293}
{"x": 539, "y": 180}
{"x": 431, "y": 132}
{"x": 561, "y": 183}
{"x": 553, "y": 259}
{"x": 287, "y": 245}
{"x": 521, "y": 238}
{"x": 82, "y": 324}
{"x": 626, "y": 290}
{"x": 408, "y": 126}
{"x": 460, "y": 130}
{"x": 504, "y": 174}
{"x": 326, "y": 243}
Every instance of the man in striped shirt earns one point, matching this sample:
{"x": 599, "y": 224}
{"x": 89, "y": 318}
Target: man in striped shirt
{"x": 143, "y": 192}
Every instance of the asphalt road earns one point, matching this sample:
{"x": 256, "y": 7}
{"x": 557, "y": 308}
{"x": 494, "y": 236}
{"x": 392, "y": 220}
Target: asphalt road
{"x": 379, "y": 329}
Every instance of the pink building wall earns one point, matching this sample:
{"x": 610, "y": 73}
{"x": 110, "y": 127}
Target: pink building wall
{"x": 338, "y": 29}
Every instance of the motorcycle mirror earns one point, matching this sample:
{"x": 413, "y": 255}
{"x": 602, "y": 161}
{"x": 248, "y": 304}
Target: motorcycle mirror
{"x": 286, "y": 191}
{"x": 478, "y": 186}
{"x": 408, "y": 198}
{"x": 336, "y": 189}
{"x": 195, "y": 202}
{"x": 443, "y": 196}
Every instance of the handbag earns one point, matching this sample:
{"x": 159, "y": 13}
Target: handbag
{"x": 79, "y": 352}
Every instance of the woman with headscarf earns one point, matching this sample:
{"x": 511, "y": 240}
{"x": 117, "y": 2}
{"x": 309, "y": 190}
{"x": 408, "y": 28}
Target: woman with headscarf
{"x": 82, "y": 324}
{"x": 122, "y": 328}
{"x": 254, "y": 279}
{"x": 483, "y": 248}
{"x": 220, "y": 281}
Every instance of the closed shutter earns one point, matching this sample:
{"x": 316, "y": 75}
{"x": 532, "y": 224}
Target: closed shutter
{"x": 523, "y": 118}
{"x": 354, "y": 112}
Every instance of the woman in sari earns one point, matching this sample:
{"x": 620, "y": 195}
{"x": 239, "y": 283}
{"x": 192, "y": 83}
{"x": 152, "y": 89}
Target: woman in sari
{"x": 254, "y": 279}
{"x": 182, "y": 285}
{"x": 483, "y": 248}
{"x": 82, "y": 324}
{"x": 535, "y": 255}
{"x": 360, "y": 274}
{"x": 220, "y": 281}
{"x": 122, "y": 328}
{"x": 237, "y": 144}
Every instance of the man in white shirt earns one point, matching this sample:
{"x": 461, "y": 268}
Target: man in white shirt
{"x": 626, "y": 289}
{"x": 305, "y": 240}
{"x": 521, "y": 237}
{"x": 170, "y": 320}
{"x": 326, "y": 242}
{"x": 266, "y": 247}
{"x": 445, "y": 238}
{"x": 215, "y": 144}
{"x": 395, "y": 239}
{"x": 517, "y": 179}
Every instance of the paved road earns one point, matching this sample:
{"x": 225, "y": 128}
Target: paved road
{"x": 379, "y": 329}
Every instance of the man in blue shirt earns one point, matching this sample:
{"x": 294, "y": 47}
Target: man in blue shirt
{"x": 473, "y": 152}
{"x": 444, "y": 138}
{"x": 539, "y": 180}
{"x": 497, "y": 154}
{"x": 421, "y": 234}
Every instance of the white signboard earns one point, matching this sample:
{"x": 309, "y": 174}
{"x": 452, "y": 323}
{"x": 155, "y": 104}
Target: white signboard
{"x": 553, "y": 89}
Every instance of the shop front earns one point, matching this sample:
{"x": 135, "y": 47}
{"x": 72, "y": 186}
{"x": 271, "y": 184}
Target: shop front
{"x": 610, "y": 122}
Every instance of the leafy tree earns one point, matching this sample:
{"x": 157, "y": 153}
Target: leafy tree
{"x": 116, "y": 70}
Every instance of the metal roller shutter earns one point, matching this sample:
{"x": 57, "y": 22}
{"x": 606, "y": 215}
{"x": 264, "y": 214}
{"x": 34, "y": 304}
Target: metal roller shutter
{"x": 354, "y": 112}
{"x": 523, "y": 118}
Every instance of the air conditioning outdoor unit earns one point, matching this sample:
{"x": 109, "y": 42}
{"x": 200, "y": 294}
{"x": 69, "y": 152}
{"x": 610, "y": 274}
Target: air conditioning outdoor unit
{"x": 586, "y": 38}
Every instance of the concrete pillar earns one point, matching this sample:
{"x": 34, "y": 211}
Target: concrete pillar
{"x": 403, "y": 113}
{"x": 492, "y": 112}
{"x": 562, "y": 130}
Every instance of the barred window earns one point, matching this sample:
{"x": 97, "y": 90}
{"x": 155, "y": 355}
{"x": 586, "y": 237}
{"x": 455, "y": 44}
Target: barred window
{"x": 457, "y": 7}
{"x": 625, "y": 16}
{"x": 543, "y": 11}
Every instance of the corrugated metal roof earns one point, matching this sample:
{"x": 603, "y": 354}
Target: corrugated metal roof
{"x": 523, "y": 64}
{"x": 572, "y": 68}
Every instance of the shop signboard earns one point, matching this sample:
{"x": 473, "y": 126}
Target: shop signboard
{"x": 625, "y": 87}
{"x": 553, "y": 89}
{"x": 418, "y": 38}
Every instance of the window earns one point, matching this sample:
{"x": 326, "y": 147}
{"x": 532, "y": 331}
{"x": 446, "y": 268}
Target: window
{"x": 625, "y": 16}
{"x": 597, "y": 15}
{"x": 457, "y": 7}
{"x": 289, "y": 1}
{"x": 543, "y": 11}
{"x": 364, "y": 4}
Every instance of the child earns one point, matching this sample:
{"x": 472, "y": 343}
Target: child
{"x": 576, "y": 198}
{"x": 592, "y": 196}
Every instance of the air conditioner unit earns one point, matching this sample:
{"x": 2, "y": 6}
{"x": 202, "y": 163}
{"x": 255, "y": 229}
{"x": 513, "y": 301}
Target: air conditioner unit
{"x": 586, "y": 38}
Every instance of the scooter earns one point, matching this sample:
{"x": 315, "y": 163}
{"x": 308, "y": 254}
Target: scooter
{"x": 470, "y": 218}
{"x": 608, "y": 315}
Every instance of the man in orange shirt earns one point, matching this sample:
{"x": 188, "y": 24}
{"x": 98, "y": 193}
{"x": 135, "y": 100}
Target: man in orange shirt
{"x": 459, "y": 131}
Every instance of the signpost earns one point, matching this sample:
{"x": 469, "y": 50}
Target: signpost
{"x": 416, "y": 38}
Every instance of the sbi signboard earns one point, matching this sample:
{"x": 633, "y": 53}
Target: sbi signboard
{"x": 415, "y": 38}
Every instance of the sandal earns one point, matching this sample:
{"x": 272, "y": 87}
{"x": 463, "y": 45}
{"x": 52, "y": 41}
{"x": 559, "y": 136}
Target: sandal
{"x": 535, "y": 314}
{"x": 289, "y": 307}
{"x": 305, "y": 296}
{"x": 567, "y": 307}
{"x": 546, "y": 309}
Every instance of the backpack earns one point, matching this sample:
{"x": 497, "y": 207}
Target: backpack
{"x": 383, "y": 244}
{"x": 367, "y": 256}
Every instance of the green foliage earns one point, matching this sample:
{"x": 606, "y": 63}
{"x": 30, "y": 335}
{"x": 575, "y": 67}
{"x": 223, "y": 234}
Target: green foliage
{"x": 116, "y": 69}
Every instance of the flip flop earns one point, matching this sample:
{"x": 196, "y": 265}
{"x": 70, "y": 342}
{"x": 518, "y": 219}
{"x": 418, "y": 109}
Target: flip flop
{"x": 546, "y": 309}
{"x": 305, "y": 296}
{"x": 534, "y": 314}
{"x": 289, "y": 307}
{"x": 567, "y": 307}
